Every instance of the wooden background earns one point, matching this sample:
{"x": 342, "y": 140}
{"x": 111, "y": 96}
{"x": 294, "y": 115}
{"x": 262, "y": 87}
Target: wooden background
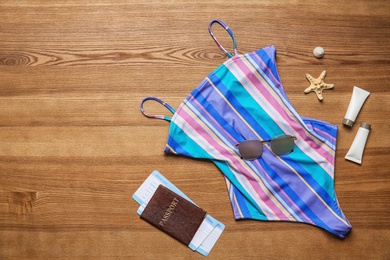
{"x": 74, "y": 146}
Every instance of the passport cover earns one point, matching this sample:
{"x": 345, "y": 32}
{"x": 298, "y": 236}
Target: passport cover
{"x": 173, "y": 214}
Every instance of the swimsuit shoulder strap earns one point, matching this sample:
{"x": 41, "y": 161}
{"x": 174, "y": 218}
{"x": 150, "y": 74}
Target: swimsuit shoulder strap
{"x": 167, "y": 118}
{"x": 228, "y": 54}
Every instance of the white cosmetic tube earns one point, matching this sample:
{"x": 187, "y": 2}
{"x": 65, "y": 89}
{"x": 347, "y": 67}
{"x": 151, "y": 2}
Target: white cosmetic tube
{"x": 355, "y": 153}
{"x": 357, "y": 100}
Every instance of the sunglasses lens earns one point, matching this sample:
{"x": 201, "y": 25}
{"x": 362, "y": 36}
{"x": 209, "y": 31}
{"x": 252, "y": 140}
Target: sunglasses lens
{"x": 282, "y": 144}
{"x": 251, "y": 149}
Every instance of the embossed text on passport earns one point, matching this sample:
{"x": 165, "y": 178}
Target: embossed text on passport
{"x": 169, "y": 212}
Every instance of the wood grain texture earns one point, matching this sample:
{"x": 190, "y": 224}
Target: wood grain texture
{"x": 74, "y": 146}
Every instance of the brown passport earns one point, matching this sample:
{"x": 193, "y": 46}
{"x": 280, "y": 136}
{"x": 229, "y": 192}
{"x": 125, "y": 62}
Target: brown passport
{"x": 173, "y": 214}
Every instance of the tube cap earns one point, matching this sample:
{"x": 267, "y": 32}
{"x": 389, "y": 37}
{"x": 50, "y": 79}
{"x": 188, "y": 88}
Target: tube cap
{"x": 348, "y": 122}
{"x": 365, "y": 125}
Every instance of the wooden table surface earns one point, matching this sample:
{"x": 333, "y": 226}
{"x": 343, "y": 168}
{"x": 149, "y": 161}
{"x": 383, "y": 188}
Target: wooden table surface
{"x": 74, "y": 146}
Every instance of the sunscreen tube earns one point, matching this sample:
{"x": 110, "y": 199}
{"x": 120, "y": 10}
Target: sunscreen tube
{"x": 357, "y": 100}
{"x": 355, "y": 153}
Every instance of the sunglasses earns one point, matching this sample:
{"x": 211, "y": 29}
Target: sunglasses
{"x": 280, "y": 145}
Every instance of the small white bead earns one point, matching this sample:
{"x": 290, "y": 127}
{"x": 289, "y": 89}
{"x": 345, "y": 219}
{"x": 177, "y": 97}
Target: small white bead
{"x": 318, "y": 52}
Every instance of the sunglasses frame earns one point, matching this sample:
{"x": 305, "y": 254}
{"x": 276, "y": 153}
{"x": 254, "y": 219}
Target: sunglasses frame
{"x": 266, "y": 141}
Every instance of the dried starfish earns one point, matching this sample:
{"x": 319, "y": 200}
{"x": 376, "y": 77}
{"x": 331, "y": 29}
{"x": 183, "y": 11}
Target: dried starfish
{"x": 317, "y": 85}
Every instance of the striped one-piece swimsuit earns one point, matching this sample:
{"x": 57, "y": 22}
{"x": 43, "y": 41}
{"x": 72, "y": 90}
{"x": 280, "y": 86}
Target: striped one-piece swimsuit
{"x": 243, "y": 99}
